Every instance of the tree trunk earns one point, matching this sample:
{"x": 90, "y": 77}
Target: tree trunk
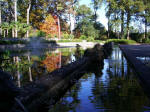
{"x": 58, "y": 27}
{"x": 108, "y": 27}
{"x": 145, "y": 34}
{"x": 18, "y": 72}
{"x": 13, "y": 33}
{"x": 74, "y": 18}
{"x": 15, "y": 7}
{"x": 128, "y": 22}
{"x": 4, "y": 33}
{"x": 7, "y": 32}
{"x": 122, "y": 24}
{"x": 108, "y": 35}
{"x": 30, "y": 73}
{"x": 128, "y": 34}
{"x": 28, "y": 16}
{"x": 70, "y": 23}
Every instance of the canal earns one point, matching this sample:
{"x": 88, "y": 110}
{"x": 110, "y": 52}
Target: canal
{"x": 112, "y": 88}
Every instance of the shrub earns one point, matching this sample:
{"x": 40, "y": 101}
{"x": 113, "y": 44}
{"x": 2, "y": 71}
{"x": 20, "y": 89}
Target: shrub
{"x": 90, "y": 39}
{"x": 137, "y": 36}
{"x": 103, "y": 37}
{"x": 68, "y": 36}
{"x": 41, "y": 34}
{"x": 49, "y": 36}
{"x": 146, "y": 40}
{"x": 83, "y": 37}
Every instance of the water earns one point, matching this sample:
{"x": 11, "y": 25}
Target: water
{"x": 112, "y": 88}
{"x": 116, "y": 89}
{"x": 28, "y": 65}
{"x": 144, "y": 60}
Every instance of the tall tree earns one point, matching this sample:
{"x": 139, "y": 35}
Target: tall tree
{"x": 28, "y": 15}
{"x": 15, "y": 10}
{"x": 96, "y": 5}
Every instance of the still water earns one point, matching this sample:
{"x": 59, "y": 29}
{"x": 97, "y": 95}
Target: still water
{"x": 29, "y": 65}
{"x": 114, "y": 89}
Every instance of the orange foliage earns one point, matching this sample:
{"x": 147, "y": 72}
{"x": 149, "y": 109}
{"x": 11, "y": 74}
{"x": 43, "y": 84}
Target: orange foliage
{"x": 52, "y": 62}
{"x": 50, "y": 26}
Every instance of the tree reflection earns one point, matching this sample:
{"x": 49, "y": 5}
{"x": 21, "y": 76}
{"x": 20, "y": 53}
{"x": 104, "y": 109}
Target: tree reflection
{"x": 52, "y": 62}
{"x": 69, "y": 102}
{"x": 28, "y": 68}
{"x": 122, "y": 93}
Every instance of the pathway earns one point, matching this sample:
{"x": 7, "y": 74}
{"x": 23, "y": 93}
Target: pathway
{"x": 134, "y": 53}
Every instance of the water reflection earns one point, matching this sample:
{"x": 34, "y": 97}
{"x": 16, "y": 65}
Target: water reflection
{"x": 115, "y": 89}
{"x": 144, "y": 60}
{"x": 25, "y": 66}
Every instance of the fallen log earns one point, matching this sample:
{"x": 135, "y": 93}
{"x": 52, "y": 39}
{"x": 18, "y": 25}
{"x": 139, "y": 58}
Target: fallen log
{"x": 40, "y": 94}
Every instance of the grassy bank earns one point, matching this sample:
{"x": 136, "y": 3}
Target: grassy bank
{"x": 121, "y": 41}
{"x": 72, "y": 40}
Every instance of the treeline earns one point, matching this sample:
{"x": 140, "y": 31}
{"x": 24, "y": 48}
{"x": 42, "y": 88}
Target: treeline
{"x": 18, "y": 18}
{"x": 124, "y": 17}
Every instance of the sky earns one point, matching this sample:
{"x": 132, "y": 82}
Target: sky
{"x": 101, "y": 12}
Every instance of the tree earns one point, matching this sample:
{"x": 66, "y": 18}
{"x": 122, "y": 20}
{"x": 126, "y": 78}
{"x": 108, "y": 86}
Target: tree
{"x": 50, "y": 26}
{"x": 28, "y": 15}
{"x": 96, "y": 5}
{"x": 146, "y": 16}
{"x": 125, "y": 10}
{"x": 71, "y": 12}
{"x": 15, "y": 10}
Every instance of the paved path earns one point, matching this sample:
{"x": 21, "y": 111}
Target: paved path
{"x": 82, "y": 44}
{"x": 131, "y": 53}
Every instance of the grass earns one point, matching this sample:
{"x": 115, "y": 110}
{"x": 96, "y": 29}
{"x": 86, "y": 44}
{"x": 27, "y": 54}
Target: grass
{"x": 121, "y": 41}
{"x": 72, "y": 40}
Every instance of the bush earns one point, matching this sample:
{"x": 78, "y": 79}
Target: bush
{"x": 90, "y": 39}
{"x": 83, "y": 37}
{"x": 137, "y": 36}
{"x": 68, "y": 36}
{"x": 41, "y": 34}
{"x": 146, "y": 40}
{"x": 49, "y": 36}
{"x": 103, "y": 37}
{"x": 121, "y": 41}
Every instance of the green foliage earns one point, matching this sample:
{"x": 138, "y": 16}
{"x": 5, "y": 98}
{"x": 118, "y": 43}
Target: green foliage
{"x": 67, "y": 36}
{"x": 83, "y": 37}
{"x": 121, "y": 41}
{"x": 49, "y": 36}
{"x": 90, "y": 39}
{"x": 41, "y": 34}
{"x": 137, "y": 36}
{"x": 146, "y": 40}
{"x": 73, "y": 40}
{"x": 86, "y": 25}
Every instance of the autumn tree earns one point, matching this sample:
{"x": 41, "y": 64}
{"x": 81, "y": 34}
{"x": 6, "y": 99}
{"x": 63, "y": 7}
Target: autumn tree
{"x": 50, "y": 26}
